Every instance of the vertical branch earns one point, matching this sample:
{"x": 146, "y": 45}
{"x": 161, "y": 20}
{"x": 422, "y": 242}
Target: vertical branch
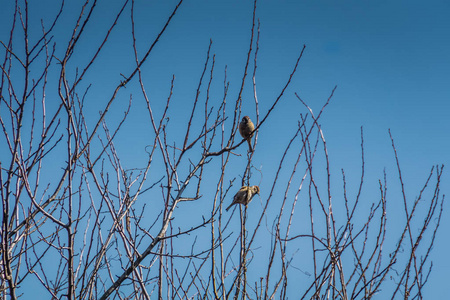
{"x": 238, "y": 105}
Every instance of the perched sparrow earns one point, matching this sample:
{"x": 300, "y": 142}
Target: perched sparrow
{"x": 244, "y": 195}
{"x": 245, "y": 129}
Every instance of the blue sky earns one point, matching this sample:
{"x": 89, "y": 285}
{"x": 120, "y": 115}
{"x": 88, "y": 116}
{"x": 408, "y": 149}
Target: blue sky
{"x": 390, "y": 62}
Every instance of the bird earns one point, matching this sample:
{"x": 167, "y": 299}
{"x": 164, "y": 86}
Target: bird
{"x": 246, "y": 128}
{"x": 244, "y": 195}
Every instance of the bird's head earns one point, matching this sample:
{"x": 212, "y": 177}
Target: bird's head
{"x": 255, "y": 189}
{"x": 245, "y": 119}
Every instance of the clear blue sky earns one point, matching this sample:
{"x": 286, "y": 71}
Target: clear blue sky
{"x": 389, "y": 59}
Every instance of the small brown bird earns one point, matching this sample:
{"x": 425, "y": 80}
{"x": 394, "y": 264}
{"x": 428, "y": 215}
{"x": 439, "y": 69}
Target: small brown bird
{"x": 246, "y": 128}
{"x": 244, "y": 195}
